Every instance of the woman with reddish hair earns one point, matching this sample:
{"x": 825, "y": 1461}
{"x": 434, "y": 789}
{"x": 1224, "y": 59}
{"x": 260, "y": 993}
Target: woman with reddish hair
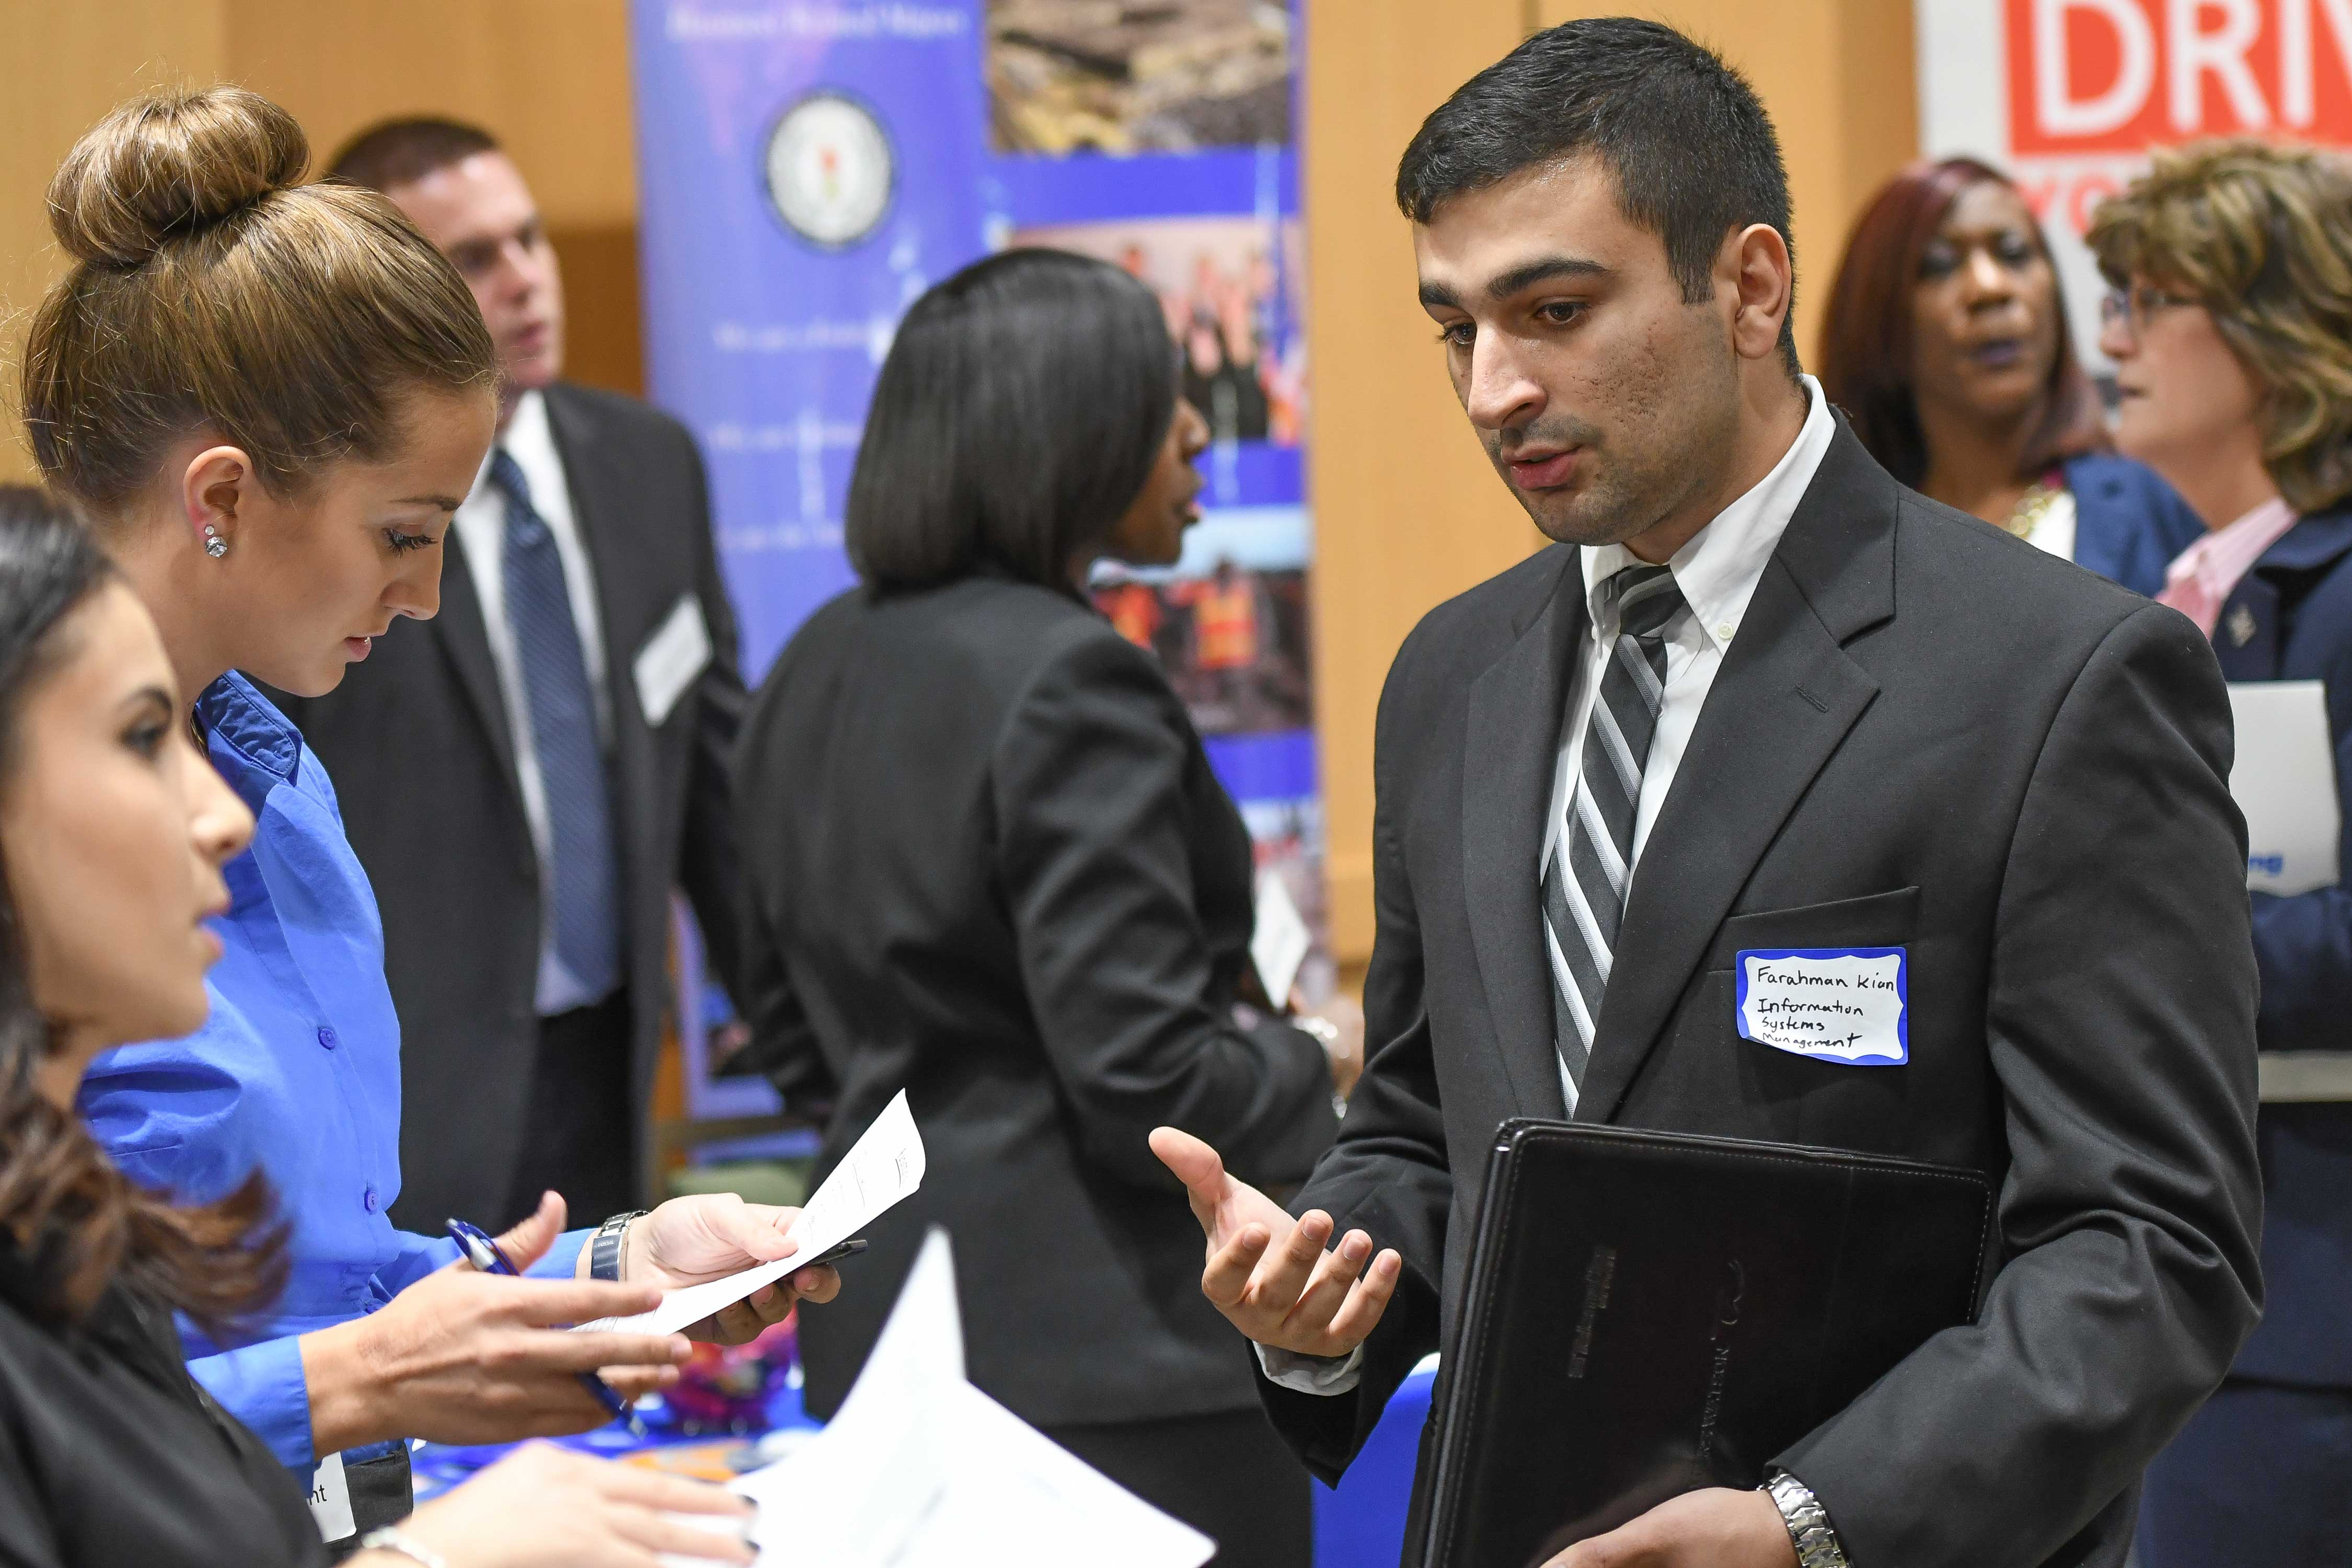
{"x": 1945, "y": 341}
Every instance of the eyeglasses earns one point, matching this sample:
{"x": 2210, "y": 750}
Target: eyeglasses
{"x": 2131, "y": 308}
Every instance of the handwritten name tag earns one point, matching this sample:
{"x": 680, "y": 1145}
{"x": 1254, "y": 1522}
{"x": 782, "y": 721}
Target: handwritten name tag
{"x": 1837, "y": 1004}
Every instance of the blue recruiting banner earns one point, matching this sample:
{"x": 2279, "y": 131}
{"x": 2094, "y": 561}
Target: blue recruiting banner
{"x": 806, "y": 168}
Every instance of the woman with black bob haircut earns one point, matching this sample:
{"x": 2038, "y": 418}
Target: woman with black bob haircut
{"x": 988, "y": 865}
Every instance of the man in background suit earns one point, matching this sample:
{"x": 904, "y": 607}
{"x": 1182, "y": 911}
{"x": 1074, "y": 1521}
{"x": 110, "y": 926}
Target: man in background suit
{"x": 1760, "y": 696}
{"x": 526, "y": 775}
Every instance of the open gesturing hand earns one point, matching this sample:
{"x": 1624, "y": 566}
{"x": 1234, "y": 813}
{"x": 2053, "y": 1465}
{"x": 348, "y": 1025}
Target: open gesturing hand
{"x": 1269, "y": 1274}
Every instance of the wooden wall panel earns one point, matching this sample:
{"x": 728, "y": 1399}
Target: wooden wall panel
{"x": 69, "y": 63}
{"x": 1407, "y": 511}
{"x": 549, "y": 78}
{"x": 1841, "y": 82}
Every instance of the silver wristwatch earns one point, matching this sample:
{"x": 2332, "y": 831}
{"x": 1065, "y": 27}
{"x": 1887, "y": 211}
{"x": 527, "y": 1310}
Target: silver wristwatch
{"x": 1810, "y": 1529}
{"x": 1325, "y": 1034}
{"x": 604, "y": 1260}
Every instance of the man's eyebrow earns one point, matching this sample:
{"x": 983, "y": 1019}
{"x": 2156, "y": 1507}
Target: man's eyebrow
{"x": 446, "y": 503}
{"x": 1543, "y": 271}
{"x": 1439, "y": 295}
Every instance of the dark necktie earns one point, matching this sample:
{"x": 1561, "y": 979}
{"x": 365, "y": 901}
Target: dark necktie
{"x": 1592, "y": 863}
{"x": 583, "y": 872}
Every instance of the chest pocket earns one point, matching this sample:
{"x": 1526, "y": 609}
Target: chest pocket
{"x": 1875, "y": 919}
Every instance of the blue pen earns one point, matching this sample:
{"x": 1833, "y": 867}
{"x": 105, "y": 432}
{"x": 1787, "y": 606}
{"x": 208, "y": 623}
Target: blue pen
{"x": 484, "y": 1254}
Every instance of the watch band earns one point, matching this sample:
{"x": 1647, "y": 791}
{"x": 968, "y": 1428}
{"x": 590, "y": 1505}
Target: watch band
{"x": 604, "y": 1246}
{"x": 1810, "y": 1529}
{"x": 391, "y": 1539}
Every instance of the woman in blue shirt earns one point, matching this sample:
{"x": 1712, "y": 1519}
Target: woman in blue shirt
{"x": 1945, "y": 341}
{"x": 271, "y": 397}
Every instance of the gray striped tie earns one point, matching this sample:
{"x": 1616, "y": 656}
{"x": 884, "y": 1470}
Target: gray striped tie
{"x": 1584, "y": 882}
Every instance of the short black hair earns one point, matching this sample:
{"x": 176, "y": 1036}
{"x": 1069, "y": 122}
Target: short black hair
{"x": 1680, "y": 130}
{"x": 1017, "y": 416}
{"x": 397, "y": 152}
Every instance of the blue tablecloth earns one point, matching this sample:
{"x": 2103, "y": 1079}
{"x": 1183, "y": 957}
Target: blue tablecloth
{"x": 1360, "y": 1524}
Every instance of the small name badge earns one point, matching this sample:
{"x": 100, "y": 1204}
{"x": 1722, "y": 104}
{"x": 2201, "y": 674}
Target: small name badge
{"x": 671, "y": 658}
{"x": 331, "y": 1499}
{"x": 1836, "y": 1004}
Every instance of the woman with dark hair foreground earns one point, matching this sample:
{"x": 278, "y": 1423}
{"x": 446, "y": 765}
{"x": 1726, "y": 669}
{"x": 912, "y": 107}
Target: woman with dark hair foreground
{"x": 1945, "y": 341}
{"x": 113, "y": 833}
{"x": 1036, "y": 900}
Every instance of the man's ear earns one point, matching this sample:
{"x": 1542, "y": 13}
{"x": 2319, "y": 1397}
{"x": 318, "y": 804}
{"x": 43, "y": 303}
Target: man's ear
{"x": 216, "y": 489}
{"x": 1763, "y": 280}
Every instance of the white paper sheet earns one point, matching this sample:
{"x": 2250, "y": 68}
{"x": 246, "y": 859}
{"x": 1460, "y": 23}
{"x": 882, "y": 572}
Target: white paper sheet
{"x": 882, "y": 1167}
{"x": 1280, "y": 940}
{"x": 2285, "y": 781}
{"x": 920, "y": 1469}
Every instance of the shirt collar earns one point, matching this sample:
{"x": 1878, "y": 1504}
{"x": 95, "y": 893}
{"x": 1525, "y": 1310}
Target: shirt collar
{"x": 526, "y": 436}
{"x": 252, "y": 745}
{"x": 1717, "y": 571}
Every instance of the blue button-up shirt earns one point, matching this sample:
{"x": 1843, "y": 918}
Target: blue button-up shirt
{"x": 296, "y": 1071}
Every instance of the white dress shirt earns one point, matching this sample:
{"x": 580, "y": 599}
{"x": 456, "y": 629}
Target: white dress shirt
{"x": 1718, "y": 572}
{"x": 480, "y": 526}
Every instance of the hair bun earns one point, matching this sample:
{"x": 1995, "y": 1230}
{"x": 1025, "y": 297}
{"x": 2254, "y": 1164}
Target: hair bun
{"x": 168, "y": 163}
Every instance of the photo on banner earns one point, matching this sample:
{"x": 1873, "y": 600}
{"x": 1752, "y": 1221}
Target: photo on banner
{"x": 1070, "y": 75}
{"x": 808, "y": 168}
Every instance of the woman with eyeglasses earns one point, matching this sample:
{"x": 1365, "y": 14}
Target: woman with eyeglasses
{"x": 2232, "y": 333}
{"x": 1945, "y": 341}
{"x": 113, "y": 836}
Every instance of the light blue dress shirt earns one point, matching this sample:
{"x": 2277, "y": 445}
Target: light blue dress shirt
{"x": 297, "y": 1071}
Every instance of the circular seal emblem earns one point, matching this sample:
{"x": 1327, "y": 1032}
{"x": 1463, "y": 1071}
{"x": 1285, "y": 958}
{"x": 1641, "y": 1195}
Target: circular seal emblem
{"x": 831, "y": 169}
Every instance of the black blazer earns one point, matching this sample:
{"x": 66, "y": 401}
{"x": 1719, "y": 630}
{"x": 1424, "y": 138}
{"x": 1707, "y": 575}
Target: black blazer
{"x": 416, "y": 740}
{"x": 109, "y": 1452}
{"x": 1926, "y": 734}
{"x": 988, "y": 864}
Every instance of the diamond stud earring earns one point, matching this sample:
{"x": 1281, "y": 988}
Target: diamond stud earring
{"x": 215, "y": 545}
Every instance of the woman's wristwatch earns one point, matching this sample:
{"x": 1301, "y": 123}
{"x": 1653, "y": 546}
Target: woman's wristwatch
{"x": 604, "y": 1246}
{"x": 1810, "y": 1529}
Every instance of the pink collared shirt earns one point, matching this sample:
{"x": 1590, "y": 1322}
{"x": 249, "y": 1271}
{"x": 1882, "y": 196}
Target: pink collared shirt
{"x": 2201, "y": 578}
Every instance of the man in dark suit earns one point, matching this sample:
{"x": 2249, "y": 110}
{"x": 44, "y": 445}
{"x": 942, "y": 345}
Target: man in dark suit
{"x": 1760, "y": 696}
{"x": 526, "y": 775}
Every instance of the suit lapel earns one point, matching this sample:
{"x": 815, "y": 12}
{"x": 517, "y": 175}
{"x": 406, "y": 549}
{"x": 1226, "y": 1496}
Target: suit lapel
{"x": 1780, "y": 705}
{"x": 1512, "y": 747}
{"x": 466, "y": 642}
{"x": 599, "y": 488}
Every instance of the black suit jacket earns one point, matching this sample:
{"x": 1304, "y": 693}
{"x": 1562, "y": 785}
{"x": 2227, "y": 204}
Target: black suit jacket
{"x": 988, "y": 864}
{"x": 1924, "y": 733}
{"x": 416, "y": 742}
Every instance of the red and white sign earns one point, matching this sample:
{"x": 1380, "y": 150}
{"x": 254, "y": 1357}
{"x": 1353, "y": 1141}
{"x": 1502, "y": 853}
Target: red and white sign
{"x": 2069, "y": 95}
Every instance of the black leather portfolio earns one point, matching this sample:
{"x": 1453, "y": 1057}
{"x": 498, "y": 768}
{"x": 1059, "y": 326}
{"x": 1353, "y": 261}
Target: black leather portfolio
{"x": 1648, "y": 1313}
